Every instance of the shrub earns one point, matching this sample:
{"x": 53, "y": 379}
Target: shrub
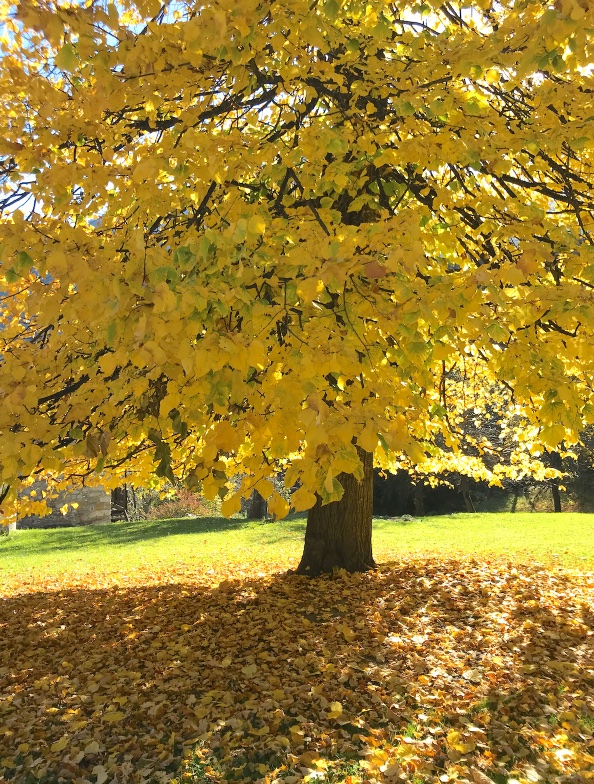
{"x": 182, "y": 504}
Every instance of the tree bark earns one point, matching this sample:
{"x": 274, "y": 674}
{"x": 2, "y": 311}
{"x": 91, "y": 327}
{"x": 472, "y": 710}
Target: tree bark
{"x": 556, "y": 462}
{"x": 256, "y": 507}
{"x": 515, "y": 500}
{"x": 465, "y": 488}
{"x": 556, "y": 496}
{"x": 419, "y": 498}
{"x": 339, "y": 533}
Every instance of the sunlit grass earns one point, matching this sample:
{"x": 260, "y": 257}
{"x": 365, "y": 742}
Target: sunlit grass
{"x": 202, "y": 543}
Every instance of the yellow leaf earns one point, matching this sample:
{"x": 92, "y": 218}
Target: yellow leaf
{"x": 302, "y": 499}
{"x": 348, "y": 634}
{"x": 552, "y": 435}
{"x": 256, "y": 225}
{"x": 101, "y": 774}
{"x": 265, "y": 488}
{"x": 278, "y": 506}
{"x": 113, "y": 717}
{"x": 231, "y": 505}
{"x": 335, "y": 710}
{"x": 249, "y": 670}
{"x": 453, "y": 737}
{"x": 415, "y": 452}
{"x": 368, "y": 439}
{"x": 57, "y": 263}
{"x": 61, "y": 744}
{"x": 455, "y": 742}
{"x": 66, "y": 58}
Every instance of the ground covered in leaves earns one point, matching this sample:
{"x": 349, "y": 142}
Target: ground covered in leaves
{"x": 422, "y": 671}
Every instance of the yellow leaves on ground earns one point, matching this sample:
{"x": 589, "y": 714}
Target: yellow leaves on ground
{"x": 348, "y": 634}
{"x": 454, "y": 740}
{"x": 113, "y": 717}
{"x": 439, "y": 671}
{"x": 335, "y": 710}
{"x": 60, "y": 745}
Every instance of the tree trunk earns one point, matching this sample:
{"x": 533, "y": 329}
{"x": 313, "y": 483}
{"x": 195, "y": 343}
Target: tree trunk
{"x": 256, "y": 507}
{"x": 556, "y": 462}
{"x": 515, "y": 500}
{"x": 465, "y": 488}
{"x": 339, "y": 534}
{"x": 556, "y": 496}
{"x": 419, "y": 499}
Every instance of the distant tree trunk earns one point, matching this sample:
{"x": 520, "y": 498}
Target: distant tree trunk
{"x": 119, "y": 503}
{"x": 339, "y": 534}
{"x": 515, "y": 500}
{"x": 556, "y": 496}
{"x": 419, "y": 499}
{"x": 256, "y": 507}
{"x": 465, "y": 488}
{"x": 557, "y": 463}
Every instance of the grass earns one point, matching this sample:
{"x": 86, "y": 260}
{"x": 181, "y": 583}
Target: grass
{"x": 561, "y": 539}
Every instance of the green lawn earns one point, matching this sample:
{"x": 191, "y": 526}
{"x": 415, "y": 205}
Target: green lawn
{"x": 564, "y": 539}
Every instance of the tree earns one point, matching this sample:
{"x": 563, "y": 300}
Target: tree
{"x": 239, "y": 235}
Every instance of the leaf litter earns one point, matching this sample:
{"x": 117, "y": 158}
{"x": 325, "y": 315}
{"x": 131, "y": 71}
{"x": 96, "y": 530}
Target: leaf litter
{"x": 421, "y": 671}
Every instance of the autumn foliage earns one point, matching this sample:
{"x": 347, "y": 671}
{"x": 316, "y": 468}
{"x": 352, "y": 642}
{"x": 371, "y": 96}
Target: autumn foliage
{"x": 420, "y": 671}
{"x": 250, "y": 233}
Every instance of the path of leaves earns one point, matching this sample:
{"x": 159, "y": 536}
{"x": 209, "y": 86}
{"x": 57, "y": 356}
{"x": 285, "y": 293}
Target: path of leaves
{"x": 422, "y": 671}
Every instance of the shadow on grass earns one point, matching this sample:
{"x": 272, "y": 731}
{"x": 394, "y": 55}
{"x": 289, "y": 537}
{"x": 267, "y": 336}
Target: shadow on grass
{"x": 249, "y": 672}
{"x": 121, "y": 533}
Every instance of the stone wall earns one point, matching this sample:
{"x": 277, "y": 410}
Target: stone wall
{"x": 94, "y": 507}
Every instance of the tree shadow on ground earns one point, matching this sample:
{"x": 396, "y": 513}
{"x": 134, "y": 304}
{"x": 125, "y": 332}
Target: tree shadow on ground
{"x": 125, "y": 533}
{"x": 414, "y": 670}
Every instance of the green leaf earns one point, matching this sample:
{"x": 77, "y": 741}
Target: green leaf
{"x": 331, "y": 7}
{"x": 384, "y": 444}
{"x": 11, "y": 276}
{"x": 24, "y": 262}
{"x": 164, "y": 471}
{"x": 111, "y": 332}
{"x": 498, "y": 333}
{"x": 337, "y": 146}
{"x": 183, "y": 256}
{"x": 66, "y": 58}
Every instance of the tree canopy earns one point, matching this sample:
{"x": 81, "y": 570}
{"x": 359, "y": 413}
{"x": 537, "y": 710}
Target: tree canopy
{"x": 245, "y": 233}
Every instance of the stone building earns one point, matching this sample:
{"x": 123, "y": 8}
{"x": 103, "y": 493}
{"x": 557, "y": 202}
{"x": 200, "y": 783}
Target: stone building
{"x": 94, "y": 507}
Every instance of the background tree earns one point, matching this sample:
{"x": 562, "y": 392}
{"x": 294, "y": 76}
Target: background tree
{"x": 244, "y": 234}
